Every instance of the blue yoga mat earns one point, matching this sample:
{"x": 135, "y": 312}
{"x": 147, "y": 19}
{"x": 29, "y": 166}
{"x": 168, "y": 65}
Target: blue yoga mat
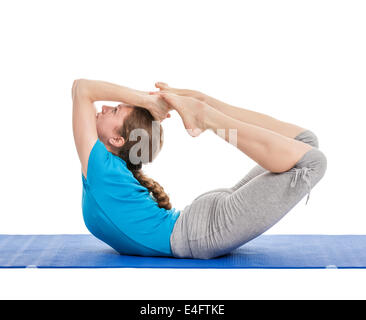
{"x": 266, "y": 251}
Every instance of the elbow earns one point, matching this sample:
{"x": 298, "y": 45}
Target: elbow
{"x": 77, "y": 83}
{"x": 74, "y": 85}
{"x": 78, "y": 87}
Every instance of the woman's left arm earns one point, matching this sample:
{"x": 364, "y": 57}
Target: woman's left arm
{"x": 86, "y": 92}
{"x": 105, "y": 91}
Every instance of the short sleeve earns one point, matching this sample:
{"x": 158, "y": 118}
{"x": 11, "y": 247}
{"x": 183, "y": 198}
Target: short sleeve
{"x": 97, "y": 163}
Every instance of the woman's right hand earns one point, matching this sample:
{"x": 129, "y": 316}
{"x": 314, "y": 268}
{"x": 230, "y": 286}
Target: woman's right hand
{"x": 157, "y": 106}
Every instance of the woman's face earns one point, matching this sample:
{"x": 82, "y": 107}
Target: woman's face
{"x": 110, "y": 120}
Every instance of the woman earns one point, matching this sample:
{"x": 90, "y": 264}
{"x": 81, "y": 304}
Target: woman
{"x": 132, "y": 213}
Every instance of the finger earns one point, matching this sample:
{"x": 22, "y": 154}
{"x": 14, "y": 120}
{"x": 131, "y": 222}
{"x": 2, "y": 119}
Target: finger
{"x": 171, "y": 98}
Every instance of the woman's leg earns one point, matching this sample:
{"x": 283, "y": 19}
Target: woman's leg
{"x": 217, "y": 223}
{"x": 252, "y": 117}
{"x": 233, "y": 219}
{"x": 271, "y": 150}
{"x": 306, "y": 136}
{"x": 249, "y": 116}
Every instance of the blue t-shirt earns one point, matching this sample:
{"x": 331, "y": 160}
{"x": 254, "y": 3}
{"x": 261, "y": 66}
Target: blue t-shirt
{"x": 118, "y": 210}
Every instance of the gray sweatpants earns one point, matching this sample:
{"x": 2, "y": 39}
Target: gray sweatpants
{"x": 221, "y": 220}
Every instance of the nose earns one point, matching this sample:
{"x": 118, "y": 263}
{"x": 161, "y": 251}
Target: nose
{"x": 106, "y": 109}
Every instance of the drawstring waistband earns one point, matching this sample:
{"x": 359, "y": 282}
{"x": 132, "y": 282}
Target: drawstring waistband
{"x": 304, "y": 172}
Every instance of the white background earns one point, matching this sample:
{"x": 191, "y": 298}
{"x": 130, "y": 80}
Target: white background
{"x": 301, "y": 62}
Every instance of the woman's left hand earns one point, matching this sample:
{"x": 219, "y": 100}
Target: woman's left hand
{"x": 157, "y": 106}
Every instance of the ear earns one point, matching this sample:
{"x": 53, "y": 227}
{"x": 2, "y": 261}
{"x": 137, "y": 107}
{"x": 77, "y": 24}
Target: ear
{"x": 116, "y": 142}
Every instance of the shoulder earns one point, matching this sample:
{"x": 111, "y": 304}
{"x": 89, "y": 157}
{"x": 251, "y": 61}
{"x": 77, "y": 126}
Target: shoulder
{"x": 104, "y": 165}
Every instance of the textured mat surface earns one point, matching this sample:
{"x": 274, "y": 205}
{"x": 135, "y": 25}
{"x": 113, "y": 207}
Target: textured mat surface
{"x": 266, "y": 251}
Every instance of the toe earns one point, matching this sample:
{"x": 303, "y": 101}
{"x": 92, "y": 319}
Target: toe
{"x": 161, "y": 85}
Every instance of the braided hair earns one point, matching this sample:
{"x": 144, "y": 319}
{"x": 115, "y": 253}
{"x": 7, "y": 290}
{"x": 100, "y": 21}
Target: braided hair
{"x": 140, "y": 118}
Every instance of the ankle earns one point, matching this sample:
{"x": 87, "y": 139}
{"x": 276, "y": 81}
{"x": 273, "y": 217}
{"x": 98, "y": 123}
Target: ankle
{"x": 210, "y": 117}
{"x": 196, "y": 94}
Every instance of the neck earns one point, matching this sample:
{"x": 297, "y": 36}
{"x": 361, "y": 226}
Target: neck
{"x": 111, "y": 149}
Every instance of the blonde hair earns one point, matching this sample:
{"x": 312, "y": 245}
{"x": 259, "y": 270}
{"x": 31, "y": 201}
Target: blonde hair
{"x": 140, "y": 118}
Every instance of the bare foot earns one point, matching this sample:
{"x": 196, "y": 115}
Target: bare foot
{"x": 190, "y": 110}
{"x": 163, "y": 87}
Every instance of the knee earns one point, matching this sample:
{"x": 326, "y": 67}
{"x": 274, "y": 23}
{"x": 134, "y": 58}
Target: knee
{"x": 313, "y": 140}
{"x": 317, "y": 162}
{"x": 312, "y": 166}
{"x": 322, "y": 163}
{"x": 310, "y": 138}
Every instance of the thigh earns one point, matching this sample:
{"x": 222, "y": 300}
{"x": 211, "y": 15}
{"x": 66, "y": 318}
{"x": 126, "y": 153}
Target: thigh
{"x": 254, "y": 172}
